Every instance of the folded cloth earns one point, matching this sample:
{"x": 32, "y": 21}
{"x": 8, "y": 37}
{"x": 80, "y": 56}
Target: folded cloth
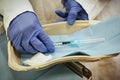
{"x": 109, "y": 30}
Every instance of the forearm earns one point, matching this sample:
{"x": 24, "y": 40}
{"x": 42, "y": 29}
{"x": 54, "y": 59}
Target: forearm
{"x": 12, "y": 8}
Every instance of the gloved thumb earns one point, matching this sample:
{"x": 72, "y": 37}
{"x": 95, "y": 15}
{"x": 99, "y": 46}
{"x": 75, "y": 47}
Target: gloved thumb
{"x": 72, "y": 16}
{"x": 61, "y": 14}
{"x": 38, "y": 45}
{"x": 46, "y": 41}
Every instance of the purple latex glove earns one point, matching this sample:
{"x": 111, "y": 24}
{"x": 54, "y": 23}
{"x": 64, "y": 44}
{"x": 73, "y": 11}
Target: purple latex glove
{"x": 27, "y": 35}
{"x": 74, "y": 11}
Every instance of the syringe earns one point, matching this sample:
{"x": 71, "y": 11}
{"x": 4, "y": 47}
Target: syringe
{"x": 77, "y": 42}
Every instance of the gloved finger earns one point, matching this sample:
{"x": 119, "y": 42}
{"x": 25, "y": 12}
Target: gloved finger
{"x": 73, "y": 14}
{"x": 61, "y": 20}
{"x": 61, "y": 14}
{"x": 47, "y": 42}
{"x": 38, "y": 45}
{"x": 17, "y": 43}
{"x": 28, "y": 47}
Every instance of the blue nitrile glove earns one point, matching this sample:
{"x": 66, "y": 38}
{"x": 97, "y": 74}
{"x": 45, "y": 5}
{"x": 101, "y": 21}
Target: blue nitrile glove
{"x": 74, "y": 11}
{"x": 27, "y": 35}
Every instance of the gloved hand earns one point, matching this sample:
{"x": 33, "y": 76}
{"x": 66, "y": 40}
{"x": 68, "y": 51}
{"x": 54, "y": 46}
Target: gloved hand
{"x": 27, "y": 35}
{"x": 74, "y": 11}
